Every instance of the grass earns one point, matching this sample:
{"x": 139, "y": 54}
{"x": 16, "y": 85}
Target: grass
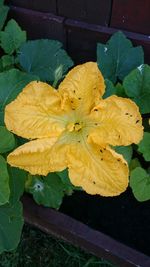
{"x": 37, "y": 249}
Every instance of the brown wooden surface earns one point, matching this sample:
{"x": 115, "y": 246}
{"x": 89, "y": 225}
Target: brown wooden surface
{"x": 39, "y": 25}
{"x": 83, "y": 38}
{"x": 39, "y": 5}
{"x": 62, "y": 226}
{"x": 95, "y": 11}
{"x": 80, "y": 38}
{"x": 131, "y": 15}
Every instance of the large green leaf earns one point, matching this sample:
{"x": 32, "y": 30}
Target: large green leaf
{"x": 126, "y": 151}
{"x": 137, "y": 87}
{"x": 3, "y": 14}
{"x": 140, "y": 184}
{"x": 144, "y": 146}
{"x": 4, "y": 182}
{"x": 17, "y": 183}
{"x": 45, "y": 58}
{"x": 1, "y": 3}
{"x": 6, "y": 62}
{"x": 12, "y": 37}
{"x": 11, "y": 84}
{"x": 68, "y": 186}
{"x": 7, "y": 140}
{"x": 118, "y": 57}
{"x": 134, "y": 163}
{"x": 11, "y": 215}
{"x": 48, "y": 191}
{"x": 120, "y": 91}
{"x": 11, "y": 222}
{"x": 110, "y": 89}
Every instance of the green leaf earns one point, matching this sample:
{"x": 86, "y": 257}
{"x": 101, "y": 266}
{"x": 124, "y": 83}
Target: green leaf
{"x": 134, "y": 163}
{"x": 11, "y": 84}
{"x": 137, "y": 87}
{"x": 140, "y": 184}
{"x": 48, "y": 191}
{"x": 45, "y": 58}
{"x": 120, "y": 91}
{"x": 1, "y": 65}
{"x": 126, "y": 151}
{"x": 68, "y": 186}
{"x": 6, "y": 61}
{"x": 110, "y": 89}
{"x": 4, "y": 182}
{"x": 3, "y": 14}
{"x": 1, "y": 3}
{"x": 12, "y": 37}
{"x": 11, "y": 224}
{"x": 7, "y": 140}
{"x": 118, "y": 57}
{"x": 17, "y": 183}
{"x": 144, "y": 146}
{"x": 11, "y": 214}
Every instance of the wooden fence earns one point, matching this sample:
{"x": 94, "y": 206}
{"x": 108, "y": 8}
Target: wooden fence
{"x": 80, "y": 24}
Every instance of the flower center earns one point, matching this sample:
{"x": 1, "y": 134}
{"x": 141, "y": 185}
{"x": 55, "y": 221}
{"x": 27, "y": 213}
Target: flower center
{"x": 77, "y": 126}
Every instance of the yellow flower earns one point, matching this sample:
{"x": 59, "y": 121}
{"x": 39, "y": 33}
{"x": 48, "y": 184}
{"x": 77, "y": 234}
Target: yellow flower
{"x": 74, "y": 128}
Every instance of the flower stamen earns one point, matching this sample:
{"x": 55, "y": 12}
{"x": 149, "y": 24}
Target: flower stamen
{"x": 77, "y": 126}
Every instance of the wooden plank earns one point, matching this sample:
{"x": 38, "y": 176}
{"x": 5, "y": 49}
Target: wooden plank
{"x": 83, "y": 37}
{"x": 131, "y": 15}
{"x": 94, "y": 11}
{"x": 39, "y": 25}
{"x": 77, "y": 233}
{"x": 43, "y": 6}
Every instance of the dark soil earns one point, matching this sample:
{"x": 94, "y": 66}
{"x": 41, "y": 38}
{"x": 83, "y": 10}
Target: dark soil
{"x": 37, "y": 249}
{"x": 123, "y": 217}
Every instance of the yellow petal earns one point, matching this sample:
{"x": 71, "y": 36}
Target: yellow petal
{"x": 97, "y": 170}
{"x": 39, "y": 156}
{"x": 36, "y": 112}
{"x": 82, "y": 87}
{"x": 118, "y": 122}
{"x": 44, "y": 155}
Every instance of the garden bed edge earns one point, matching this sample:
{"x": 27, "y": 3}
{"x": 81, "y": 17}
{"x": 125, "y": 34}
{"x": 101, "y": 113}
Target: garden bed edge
{"x": 64, "y": 227}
